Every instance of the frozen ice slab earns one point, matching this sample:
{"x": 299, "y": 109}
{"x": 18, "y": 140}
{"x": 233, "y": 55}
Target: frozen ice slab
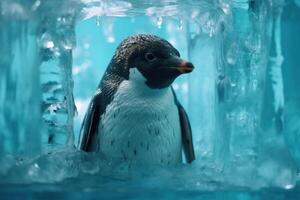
{"x": 96, "y": 170}
{"x": 73, "y": 174}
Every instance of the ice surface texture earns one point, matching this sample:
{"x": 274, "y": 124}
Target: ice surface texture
{"x": 243, "y": 97}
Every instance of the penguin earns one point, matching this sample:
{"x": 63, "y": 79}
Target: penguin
{"x": 134, "y": 114}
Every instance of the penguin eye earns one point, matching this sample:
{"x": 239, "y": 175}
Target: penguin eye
{"x": 150, "y": 57}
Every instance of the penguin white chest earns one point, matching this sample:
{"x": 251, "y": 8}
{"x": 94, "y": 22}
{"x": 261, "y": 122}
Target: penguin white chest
{"x": 141, "y": 124}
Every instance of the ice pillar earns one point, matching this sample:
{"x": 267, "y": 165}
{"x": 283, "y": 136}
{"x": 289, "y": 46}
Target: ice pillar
{"x": 56, "y": 36}
{"x": 202, "y": 96}
{"x": 19, "y": 80}
{"x": 291, "y": 72}
{"x": 240, "y": 85}
{"x": 204, "y": 51}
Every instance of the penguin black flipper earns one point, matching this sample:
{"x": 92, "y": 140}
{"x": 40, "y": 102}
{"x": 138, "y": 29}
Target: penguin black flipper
{"x": 186, "y": 132}
{"x": 89, "y": 129}
{"x": 89, "y": 133}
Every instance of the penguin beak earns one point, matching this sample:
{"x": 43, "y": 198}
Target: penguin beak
{"x": 185, "y": 67}
{"x": 180, "y": 65}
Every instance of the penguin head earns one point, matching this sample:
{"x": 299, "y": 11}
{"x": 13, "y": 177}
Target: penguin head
{"x": 154, "y": 58}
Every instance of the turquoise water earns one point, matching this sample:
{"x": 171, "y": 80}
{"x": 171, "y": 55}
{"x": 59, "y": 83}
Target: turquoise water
{"x": 242, "y": 98}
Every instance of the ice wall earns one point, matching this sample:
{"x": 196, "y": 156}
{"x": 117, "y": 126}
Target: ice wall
{"x": 36, "y": 104}
{"x": 240, "y": 87}
{"x": 238, "y": 90}
{"x": 242, "y": 98}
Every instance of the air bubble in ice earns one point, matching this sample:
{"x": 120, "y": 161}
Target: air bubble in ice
{"x": 48, "y": 44}
{"x": 68, "y": 46}
{"x": 289, "y": 186}
{"x": 225, "y": 8}
{"x": 180, "y": 26}
{"x": 53, "y": 108}
{"x": 36, "y": 5}
{"x": 46, "y": 41}
{"x": 33, "y": 170}
{"x": 231, "y": 54}
{"x": 111, "y": 39}
{"x": 86, "y": 45}
{"x": 232, "y": 84}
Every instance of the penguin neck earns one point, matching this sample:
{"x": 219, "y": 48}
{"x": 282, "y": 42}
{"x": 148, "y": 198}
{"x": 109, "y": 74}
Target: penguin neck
{"x": 137, "y": 80}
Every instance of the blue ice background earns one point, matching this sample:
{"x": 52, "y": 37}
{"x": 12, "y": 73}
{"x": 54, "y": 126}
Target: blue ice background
{"x": 244, "y": 107}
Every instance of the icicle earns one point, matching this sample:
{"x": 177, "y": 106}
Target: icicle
{"x": 159, "y": 21}
{"x": 276, "y": 71}
{"x": 108, "y": 29}
{"x": 98, "y": 21}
